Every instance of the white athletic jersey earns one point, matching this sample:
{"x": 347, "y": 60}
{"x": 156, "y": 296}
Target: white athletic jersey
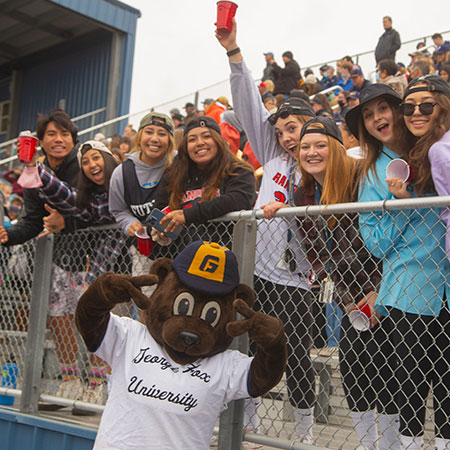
{"x": 154, "y": 403}
{"x": 272, "y": 239}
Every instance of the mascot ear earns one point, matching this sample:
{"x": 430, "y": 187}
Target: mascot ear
{"x": 161, "y": 267}
{"x": 246, "y": 293}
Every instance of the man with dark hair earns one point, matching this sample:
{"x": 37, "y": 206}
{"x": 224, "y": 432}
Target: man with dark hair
{"x": 57, "y": 135}
{"x": 346, "y": 82}
{"x": 389, "y": 42}
{"x": 439, "y": 42}
{"x": 348, "y": 58}
{"x": 358, "y": 80}
{"x": 286, "y": 78}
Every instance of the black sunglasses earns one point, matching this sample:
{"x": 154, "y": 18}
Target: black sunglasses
{"x": 286, "y": 111}
{"x": 425, "y": 108}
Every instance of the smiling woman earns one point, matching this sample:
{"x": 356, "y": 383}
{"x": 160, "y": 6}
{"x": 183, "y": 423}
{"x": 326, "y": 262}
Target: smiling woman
{"x": 134, "y": 182}
{"x": 205, "y": 181}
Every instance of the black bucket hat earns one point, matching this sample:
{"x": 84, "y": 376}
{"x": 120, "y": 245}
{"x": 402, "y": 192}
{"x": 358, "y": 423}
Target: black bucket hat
{"x": 367, "y": 94}
{"x": 329, "y": 128}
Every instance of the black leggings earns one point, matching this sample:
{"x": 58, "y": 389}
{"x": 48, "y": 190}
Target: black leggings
{"x": 422, "y": 344}
{"x": 367, "y": 362}
{"x": 293, "y": 306}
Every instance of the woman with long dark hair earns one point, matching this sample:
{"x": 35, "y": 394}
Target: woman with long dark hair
{"x": 426, "y": 347}
{"x": 88, "y": 200}
{"x": 416, "y": 273}
{"x": 205, "y": 181}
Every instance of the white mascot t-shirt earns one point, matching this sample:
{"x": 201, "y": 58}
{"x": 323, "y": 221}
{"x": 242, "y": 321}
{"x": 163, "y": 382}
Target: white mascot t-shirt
{"x": 154, "y": 403}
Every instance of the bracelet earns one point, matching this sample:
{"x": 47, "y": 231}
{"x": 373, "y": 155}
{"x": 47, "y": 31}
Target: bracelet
{"x": 234, "y": 51}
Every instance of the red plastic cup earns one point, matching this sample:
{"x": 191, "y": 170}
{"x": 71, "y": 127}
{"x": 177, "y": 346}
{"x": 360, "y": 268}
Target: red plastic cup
{"x": 145, "y": 242}
{"x": 28, "y": 145}
{"x": 360, "y": 318}
{"x": 398, "y": 168}
{"x": 225, "y": 13}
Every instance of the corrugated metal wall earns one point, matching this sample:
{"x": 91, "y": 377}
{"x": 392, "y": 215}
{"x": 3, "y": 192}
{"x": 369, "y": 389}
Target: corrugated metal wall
{"x": 79, "y": 74}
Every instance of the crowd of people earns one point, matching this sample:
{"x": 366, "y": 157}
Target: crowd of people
{"x": 288, "y": 141}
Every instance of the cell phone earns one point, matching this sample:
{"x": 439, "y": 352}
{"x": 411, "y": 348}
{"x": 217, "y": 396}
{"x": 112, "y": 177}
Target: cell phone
{"x": 154, "y": 220}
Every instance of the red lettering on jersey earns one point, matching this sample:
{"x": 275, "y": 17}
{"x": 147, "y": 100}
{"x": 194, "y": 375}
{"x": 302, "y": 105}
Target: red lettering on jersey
{"x": 280, "y": 197}
{"x": 276, "y": 177}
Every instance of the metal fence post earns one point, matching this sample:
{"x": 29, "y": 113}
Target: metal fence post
{"x": 34, "y": 347}
{"x": 244, "y": 246}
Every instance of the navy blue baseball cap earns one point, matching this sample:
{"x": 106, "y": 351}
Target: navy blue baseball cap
{"x": 207, "y": 267}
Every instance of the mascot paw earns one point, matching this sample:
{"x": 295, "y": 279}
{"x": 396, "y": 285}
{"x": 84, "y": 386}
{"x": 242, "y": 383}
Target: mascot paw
{"x": 263, "y": 329}
{"x": 118, "y": 288}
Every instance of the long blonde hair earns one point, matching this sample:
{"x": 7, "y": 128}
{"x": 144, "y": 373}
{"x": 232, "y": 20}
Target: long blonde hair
{"x": 341, "y": 178}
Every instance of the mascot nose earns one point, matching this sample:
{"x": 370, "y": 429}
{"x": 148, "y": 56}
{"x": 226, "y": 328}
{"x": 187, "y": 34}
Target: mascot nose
{"x": 189, "y": 338}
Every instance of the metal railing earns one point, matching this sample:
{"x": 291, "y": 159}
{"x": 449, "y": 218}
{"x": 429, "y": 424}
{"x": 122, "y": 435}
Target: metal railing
{"x": 41, "y": 360}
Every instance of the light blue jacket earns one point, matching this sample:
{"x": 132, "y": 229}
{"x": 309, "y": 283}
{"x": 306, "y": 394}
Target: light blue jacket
{"x": 411, "y": 243}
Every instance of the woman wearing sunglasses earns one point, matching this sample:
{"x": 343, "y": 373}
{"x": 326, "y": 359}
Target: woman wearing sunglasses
{"x": 281, "y": 268}
{"x": 426, "y": 112}
{"x": 416, "y": 273}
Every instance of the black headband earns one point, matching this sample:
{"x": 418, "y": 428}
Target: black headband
{"x": 159, "y": 123}
{"x": 433, "y": 83}
{"x": 329, "y": 128}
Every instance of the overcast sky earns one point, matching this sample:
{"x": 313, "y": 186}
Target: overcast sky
{"x": 177, "y": 53}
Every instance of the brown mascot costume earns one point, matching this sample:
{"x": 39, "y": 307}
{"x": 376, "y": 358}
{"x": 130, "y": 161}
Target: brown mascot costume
{"x": 173, "y": 375}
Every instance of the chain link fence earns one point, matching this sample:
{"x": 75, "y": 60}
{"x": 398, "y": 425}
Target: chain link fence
{"x": 310, "y": 267}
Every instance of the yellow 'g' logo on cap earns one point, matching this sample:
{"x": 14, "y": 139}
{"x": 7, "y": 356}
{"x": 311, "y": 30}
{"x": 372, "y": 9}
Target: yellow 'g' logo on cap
{"x": 209, "y": 262}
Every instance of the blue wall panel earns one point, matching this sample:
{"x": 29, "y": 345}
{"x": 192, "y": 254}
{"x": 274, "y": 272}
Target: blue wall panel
{"x": 79, "y": 74}
{"x": 20, "y": 431}
{"x": 110, "y": 12}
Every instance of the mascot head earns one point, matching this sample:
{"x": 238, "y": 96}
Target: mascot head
{"x": 193, "y": 301}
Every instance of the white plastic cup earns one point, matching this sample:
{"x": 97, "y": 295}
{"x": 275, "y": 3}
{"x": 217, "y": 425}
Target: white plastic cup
{"x": 398, "y": 168}
{"x": 360, "y": 318}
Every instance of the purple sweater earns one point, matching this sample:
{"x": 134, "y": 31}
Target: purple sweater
{"x": 439, "y": 156}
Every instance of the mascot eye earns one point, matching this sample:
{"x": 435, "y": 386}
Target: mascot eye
{"x": 183, "y": 304}
{"x": 211, "y": 313}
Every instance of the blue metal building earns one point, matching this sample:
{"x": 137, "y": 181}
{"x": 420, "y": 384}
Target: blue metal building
{"x": 74, "y": 54}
